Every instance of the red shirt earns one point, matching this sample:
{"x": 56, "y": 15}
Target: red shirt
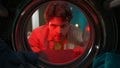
{"x": 39, "y": 42}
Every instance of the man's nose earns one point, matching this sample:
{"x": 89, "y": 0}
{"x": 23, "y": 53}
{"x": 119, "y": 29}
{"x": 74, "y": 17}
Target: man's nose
{"x": 59, "y": 29}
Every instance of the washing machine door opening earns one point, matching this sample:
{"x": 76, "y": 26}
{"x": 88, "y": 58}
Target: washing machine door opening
{"x": 59, "y": 42}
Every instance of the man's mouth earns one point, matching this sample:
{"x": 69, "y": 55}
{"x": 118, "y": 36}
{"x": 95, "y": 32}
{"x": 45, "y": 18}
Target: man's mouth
{"x": 59, "y": 36}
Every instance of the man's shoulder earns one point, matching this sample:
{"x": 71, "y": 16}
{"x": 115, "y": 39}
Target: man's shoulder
{"x": 75, "y": 30}
{"x": 75, "y": 35}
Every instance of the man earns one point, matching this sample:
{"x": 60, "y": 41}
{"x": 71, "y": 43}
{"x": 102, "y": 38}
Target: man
{"x": 57, "y": 33}
{"x": 56, "y": 30}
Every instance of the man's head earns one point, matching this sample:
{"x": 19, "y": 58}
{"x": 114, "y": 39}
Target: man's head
{"x": 58, "y": 15}
{"x": 58, "y": 9}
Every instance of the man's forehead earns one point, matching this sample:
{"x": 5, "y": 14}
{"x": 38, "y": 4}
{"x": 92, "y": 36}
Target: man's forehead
{"x": 58, "y": 23}
{"x": 57, "y": 20}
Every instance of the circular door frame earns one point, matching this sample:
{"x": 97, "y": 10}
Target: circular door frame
{"x": 97, "y": 38}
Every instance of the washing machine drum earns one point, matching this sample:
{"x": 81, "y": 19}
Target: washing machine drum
{"x": 92, "y": 30}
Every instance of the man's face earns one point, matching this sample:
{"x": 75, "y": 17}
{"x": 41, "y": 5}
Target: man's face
{"x": 58, "y": 29}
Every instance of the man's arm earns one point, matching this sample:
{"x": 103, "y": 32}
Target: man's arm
{"x": 34, "y": 41}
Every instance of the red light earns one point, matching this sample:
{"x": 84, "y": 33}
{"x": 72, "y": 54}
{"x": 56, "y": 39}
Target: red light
{"x": 87, "y": 29}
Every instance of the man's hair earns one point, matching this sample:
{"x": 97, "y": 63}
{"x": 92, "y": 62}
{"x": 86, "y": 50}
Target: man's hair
{"x": 58, "y": 9}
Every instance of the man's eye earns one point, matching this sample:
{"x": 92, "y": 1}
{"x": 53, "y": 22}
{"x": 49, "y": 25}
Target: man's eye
{"x": 63, "y": 26}
{"x": 53, "y": 26}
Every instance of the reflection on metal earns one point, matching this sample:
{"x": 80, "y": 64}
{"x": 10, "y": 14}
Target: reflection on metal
{"x": 35, "y": 19}
{"x": 115, "y": 3}
{"x": 97, "y": 47}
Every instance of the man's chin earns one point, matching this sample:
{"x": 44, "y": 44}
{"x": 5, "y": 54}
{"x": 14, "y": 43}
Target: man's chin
{"x": 57, "y": 40}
